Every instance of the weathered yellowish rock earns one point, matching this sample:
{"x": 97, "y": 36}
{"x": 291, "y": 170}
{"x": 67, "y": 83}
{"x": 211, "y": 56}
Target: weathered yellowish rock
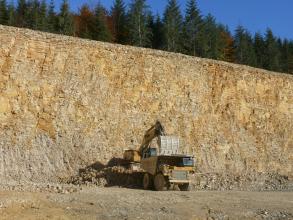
{"x": 66, "y": 103}
{"x": 5, "y": 106}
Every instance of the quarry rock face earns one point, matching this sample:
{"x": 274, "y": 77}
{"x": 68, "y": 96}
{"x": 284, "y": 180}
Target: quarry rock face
{"x": 66, "y": 103}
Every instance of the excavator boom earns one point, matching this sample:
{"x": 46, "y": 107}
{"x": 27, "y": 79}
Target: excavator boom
{"x": 155, "y": 131}
{"x": 134, "y": 156}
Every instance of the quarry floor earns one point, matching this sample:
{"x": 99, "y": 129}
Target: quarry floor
{"x": 121, "y": 203}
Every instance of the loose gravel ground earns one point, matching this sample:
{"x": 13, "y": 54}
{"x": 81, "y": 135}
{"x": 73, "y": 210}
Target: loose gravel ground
{"x": 121, "y": 203}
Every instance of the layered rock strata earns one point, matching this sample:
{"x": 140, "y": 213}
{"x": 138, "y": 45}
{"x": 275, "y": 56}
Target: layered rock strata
{"x": 66, "y": 103}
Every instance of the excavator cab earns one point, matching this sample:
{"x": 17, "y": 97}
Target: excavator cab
{"x": 150, "y": 152}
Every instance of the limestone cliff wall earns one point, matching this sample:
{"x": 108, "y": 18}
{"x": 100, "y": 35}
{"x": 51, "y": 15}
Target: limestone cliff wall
{"x": 66, "y": 103}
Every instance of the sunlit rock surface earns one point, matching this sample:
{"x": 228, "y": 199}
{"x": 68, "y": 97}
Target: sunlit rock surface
{"x": 66, "y": 103}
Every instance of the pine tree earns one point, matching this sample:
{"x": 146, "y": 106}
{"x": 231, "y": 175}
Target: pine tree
{"x": 211, "y": 41}
{"x": 290, "y": 57}
{"x": 157, "y": 27}
{"x": 31, "y": 14}
{"x": 245, "y": 53}
{"x": 192, "y": 27}
{"x": 65, "y": 19}
{"x": 102, "y": 32}
{"x": 173, "y": 27}
{"x": 208, "y": 38}
{"x": 52, "y": 20}
{"x": 272, "y": 53}
{"x": 284, "y": 54}
{"x": 150, "y": 26}
{"x": 119, "y": 22}
{"x": 259, "y": 48}
{"x": 3, "y": 12}
{"x": 11, "y": 15}
{"x": 21, "y": 13}
{"x": 139, "y": 32}
{"x": 41, "y": 23}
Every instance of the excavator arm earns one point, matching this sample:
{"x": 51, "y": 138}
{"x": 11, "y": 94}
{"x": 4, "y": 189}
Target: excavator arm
{"x": 135, "y": 155}
{"x": 155, "y": 131}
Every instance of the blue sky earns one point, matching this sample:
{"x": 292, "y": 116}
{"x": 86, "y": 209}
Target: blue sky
{"x": 255, "y": 15}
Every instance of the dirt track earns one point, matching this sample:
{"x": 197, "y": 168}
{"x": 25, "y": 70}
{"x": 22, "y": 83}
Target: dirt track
{"x": 120, "y": 203}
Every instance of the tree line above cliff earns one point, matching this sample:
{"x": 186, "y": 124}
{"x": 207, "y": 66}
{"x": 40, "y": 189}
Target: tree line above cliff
{"x": 134, "y": 24}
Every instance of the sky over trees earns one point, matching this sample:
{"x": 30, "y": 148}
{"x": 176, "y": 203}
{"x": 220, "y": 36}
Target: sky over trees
{"x": 135, "y": 24}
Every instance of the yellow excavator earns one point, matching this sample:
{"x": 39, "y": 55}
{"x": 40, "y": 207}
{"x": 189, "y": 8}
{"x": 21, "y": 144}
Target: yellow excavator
{"x": 134, "y": 156}
{"x": 163, "y": 166}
